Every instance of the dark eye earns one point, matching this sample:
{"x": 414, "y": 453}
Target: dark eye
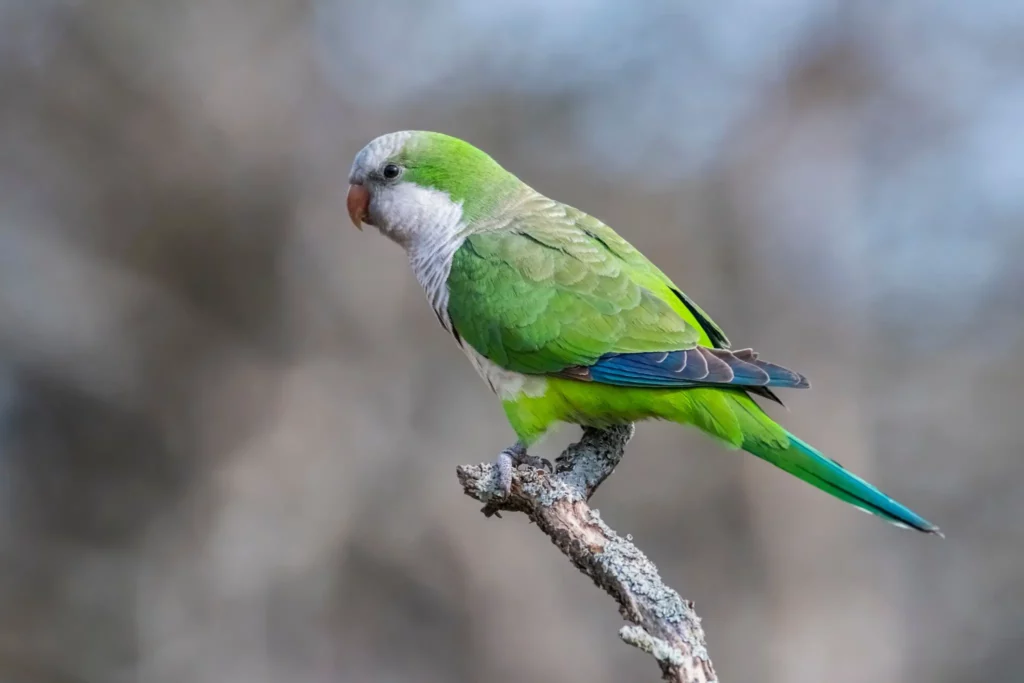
{"x": 390, "y": 171}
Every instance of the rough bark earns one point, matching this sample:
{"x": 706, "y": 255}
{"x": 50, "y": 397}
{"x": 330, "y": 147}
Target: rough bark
{"x": 660, "y": 622}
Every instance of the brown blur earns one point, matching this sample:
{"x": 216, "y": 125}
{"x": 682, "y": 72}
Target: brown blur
{"x": 229, "y": 423}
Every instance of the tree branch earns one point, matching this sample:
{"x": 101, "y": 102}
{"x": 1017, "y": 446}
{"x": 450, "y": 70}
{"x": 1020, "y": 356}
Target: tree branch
{"x": 661, "y": 623}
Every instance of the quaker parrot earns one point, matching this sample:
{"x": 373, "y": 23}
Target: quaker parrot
{"x": 569, "y": 323}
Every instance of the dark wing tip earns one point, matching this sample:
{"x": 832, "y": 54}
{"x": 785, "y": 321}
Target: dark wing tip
{"x": 751, "y": 371}
{"x": 697, "y": 366}
{"x": 802, "y": 382}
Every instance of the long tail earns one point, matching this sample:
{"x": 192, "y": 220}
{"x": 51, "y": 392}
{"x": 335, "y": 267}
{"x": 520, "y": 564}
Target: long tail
{"x": 804, "y": 462}
{"x": 768, "y": 441}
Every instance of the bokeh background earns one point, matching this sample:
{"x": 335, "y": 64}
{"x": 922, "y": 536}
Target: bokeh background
{"x": 229, "y": 422}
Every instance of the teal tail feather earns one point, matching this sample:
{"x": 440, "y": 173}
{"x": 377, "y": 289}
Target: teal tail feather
{"x": 804, "y": 462}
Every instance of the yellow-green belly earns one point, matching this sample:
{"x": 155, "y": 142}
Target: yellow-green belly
{"x": 716, "y": 411}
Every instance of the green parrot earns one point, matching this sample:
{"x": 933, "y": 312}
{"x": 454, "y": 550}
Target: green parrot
{"x": 568, "y": 322}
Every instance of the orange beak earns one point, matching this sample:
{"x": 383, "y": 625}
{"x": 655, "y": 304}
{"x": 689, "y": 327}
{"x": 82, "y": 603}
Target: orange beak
{"x": 358, "y": 203}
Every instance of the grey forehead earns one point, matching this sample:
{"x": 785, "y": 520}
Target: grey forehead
{"x": 376, "y": 152}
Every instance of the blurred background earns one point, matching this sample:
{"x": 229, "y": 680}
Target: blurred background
{"x": 229, "y": 423}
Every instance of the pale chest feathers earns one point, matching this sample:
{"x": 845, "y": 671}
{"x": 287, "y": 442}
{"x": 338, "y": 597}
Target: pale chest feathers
{"x": 431, "y": 262}
{"x": 428, "y": 224}
{"x": 507, "y": 384}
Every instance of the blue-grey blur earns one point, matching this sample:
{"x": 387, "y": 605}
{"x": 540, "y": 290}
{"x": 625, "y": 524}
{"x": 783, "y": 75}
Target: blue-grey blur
{"x": 229, "y": 423}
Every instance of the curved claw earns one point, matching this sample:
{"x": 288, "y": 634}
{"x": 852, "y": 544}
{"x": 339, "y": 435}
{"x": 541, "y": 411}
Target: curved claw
{"x": 512, "y": 457}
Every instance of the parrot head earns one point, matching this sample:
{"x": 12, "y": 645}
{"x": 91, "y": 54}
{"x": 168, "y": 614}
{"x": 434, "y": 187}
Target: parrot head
{"x": 412, "y": 185}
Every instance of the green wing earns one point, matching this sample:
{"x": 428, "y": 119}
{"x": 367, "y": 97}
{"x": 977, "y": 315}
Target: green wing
{"x": 559, "y": 289}
{"x": 555, "y": 291}
{"x": 647, "y": 275}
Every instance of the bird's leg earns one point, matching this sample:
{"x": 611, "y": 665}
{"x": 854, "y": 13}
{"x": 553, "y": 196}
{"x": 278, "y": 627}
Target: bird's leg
{"x": 511, "y": 457}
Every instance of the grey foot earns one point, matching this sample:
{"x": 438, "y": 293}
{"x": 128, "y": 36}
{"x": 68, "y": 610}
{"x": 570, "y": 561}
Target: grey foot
{"x": 510, "y": 458}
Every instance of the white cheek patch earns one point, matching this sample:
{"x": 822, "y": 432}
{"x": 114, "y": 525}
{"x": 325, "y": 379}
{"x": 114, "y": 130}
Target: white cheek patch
{"x": 408, "y": 214}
